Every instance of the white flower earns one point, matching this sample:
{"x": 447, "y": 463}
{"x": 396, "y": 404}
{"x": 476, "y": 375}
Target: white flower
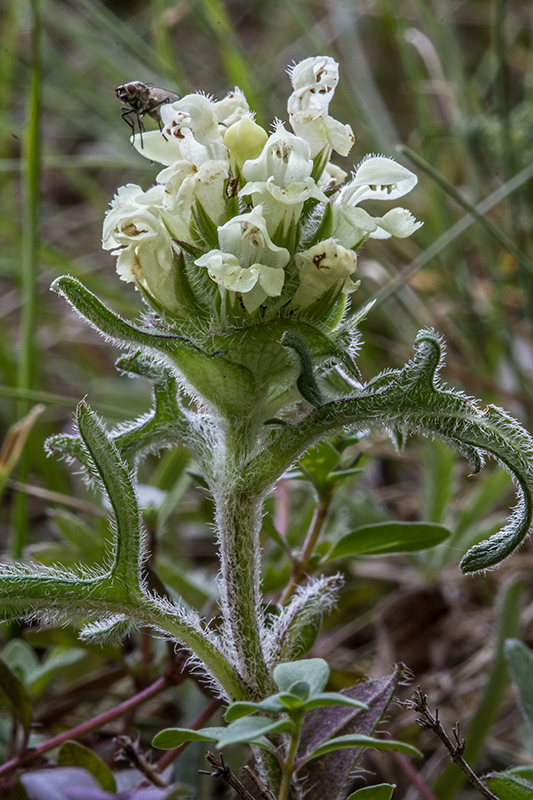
{"x": 231, "y": 109}
{"x": 323, "y": 265}
{"x": 314, "y": 81}
{"x": 285, "y": 158}
{"x": 331, "y": 177}
{"x": 190, "y": 133}
{"x": 280, "y": 179}
{"x": 248, "y": 262}
{"x": 396, "y": 222}
{"x": 246, "y": 236}
{"x": 158, "y": 148}
{"x": 133, "y": 216}
{"x": 377, "y": 178}
{"x": 186, "y": 184}
{"x": 192, "y": 120}
{"x": 255, "y": 283}
{"x": 146, "y": 254}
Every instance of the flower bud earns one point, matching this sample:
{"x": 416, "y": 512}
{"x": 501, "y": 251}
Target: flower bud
{"x": 323, "y": 265}
{"x": 245, "y": 140}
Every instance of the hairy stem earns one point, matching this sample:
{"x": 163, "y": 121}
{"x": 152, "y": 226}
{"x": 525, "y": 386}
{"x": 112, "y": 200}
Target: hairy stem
{"x": 238, "y": 517}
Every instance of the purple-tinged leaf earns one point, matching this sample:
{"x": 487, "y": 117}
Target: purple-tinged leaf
{"x": 326, "y": 776}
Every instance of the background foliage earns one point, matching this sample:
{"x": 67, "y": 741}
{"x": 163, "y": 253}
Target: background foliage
{"x": 448, "y": 82}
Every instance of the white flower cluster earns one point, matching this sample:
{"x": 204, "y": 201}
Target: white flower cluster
{"x": 265, "y": 197}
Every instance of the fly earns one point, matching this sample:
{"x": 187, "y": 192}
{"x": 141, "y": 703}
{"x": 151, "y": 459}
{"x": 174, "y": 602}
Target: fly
{"x": 140, "y": 100}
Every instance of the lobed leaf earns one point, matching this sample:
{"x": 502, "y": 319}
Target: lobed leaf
{"x": 412, "y": 400}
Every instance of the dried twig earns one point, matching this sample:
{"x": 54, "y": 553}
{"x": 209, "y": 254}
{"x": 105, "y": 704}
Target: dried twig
{"x": 456, "y": 748}
{"x": 131, "y": 752}
{"x": 264, "y": 790}
{"x": 221, "y": 770}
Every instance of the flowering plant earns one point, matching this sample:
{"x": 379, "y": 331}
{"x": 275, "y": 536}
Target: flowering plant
{"x": 245, "y": 253}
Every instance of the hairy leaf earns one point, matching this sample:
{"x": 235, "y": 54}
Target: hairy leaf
{"x": 412, "y": 400}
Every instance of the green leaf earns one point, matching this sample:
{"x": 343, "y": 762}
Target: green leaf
{"x": 72, "y": 754}
{"x": 173, "y": 737}
{"x": 250, "y": 729}
{"x": 16, "y": 695}
{"x": 507, "y": 786}
{"x": 332, "y": 699}
{"x": 358, "y": 740}
{"x": 244, "y": 709}
{"x": 57, "y": 660}
{"x": 388, "y": 537}
{"x": 319, "y": 462}
{"x": 383, "y": 791}
{"x": 21, "y": 658}
{"x": 413, "y": 400}
{"x": 314, "y": 671}
{"x": 114, "y": 474}
{"x": 520, "y": 660}
{"x": 217, "y": 380}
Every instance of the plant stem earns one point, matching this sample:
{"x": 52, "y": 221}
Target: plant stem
{"x": 288, "y": 767}
{"x": 301, "y": 566}
{"x": 238, "y": 517}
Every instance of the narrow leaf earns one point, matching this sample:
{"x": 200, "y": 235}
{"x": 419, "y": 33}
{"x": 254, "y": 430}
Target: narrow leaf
{"x": 114, "y": 474}
{"x": 358, "y": 740}
{"x": 173, "y": 737}
{"x": 306, "y": 381}
{"x": 249, "y": 729}
{"x": 389, "y": 537}
{"x": 332, "y": 699}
